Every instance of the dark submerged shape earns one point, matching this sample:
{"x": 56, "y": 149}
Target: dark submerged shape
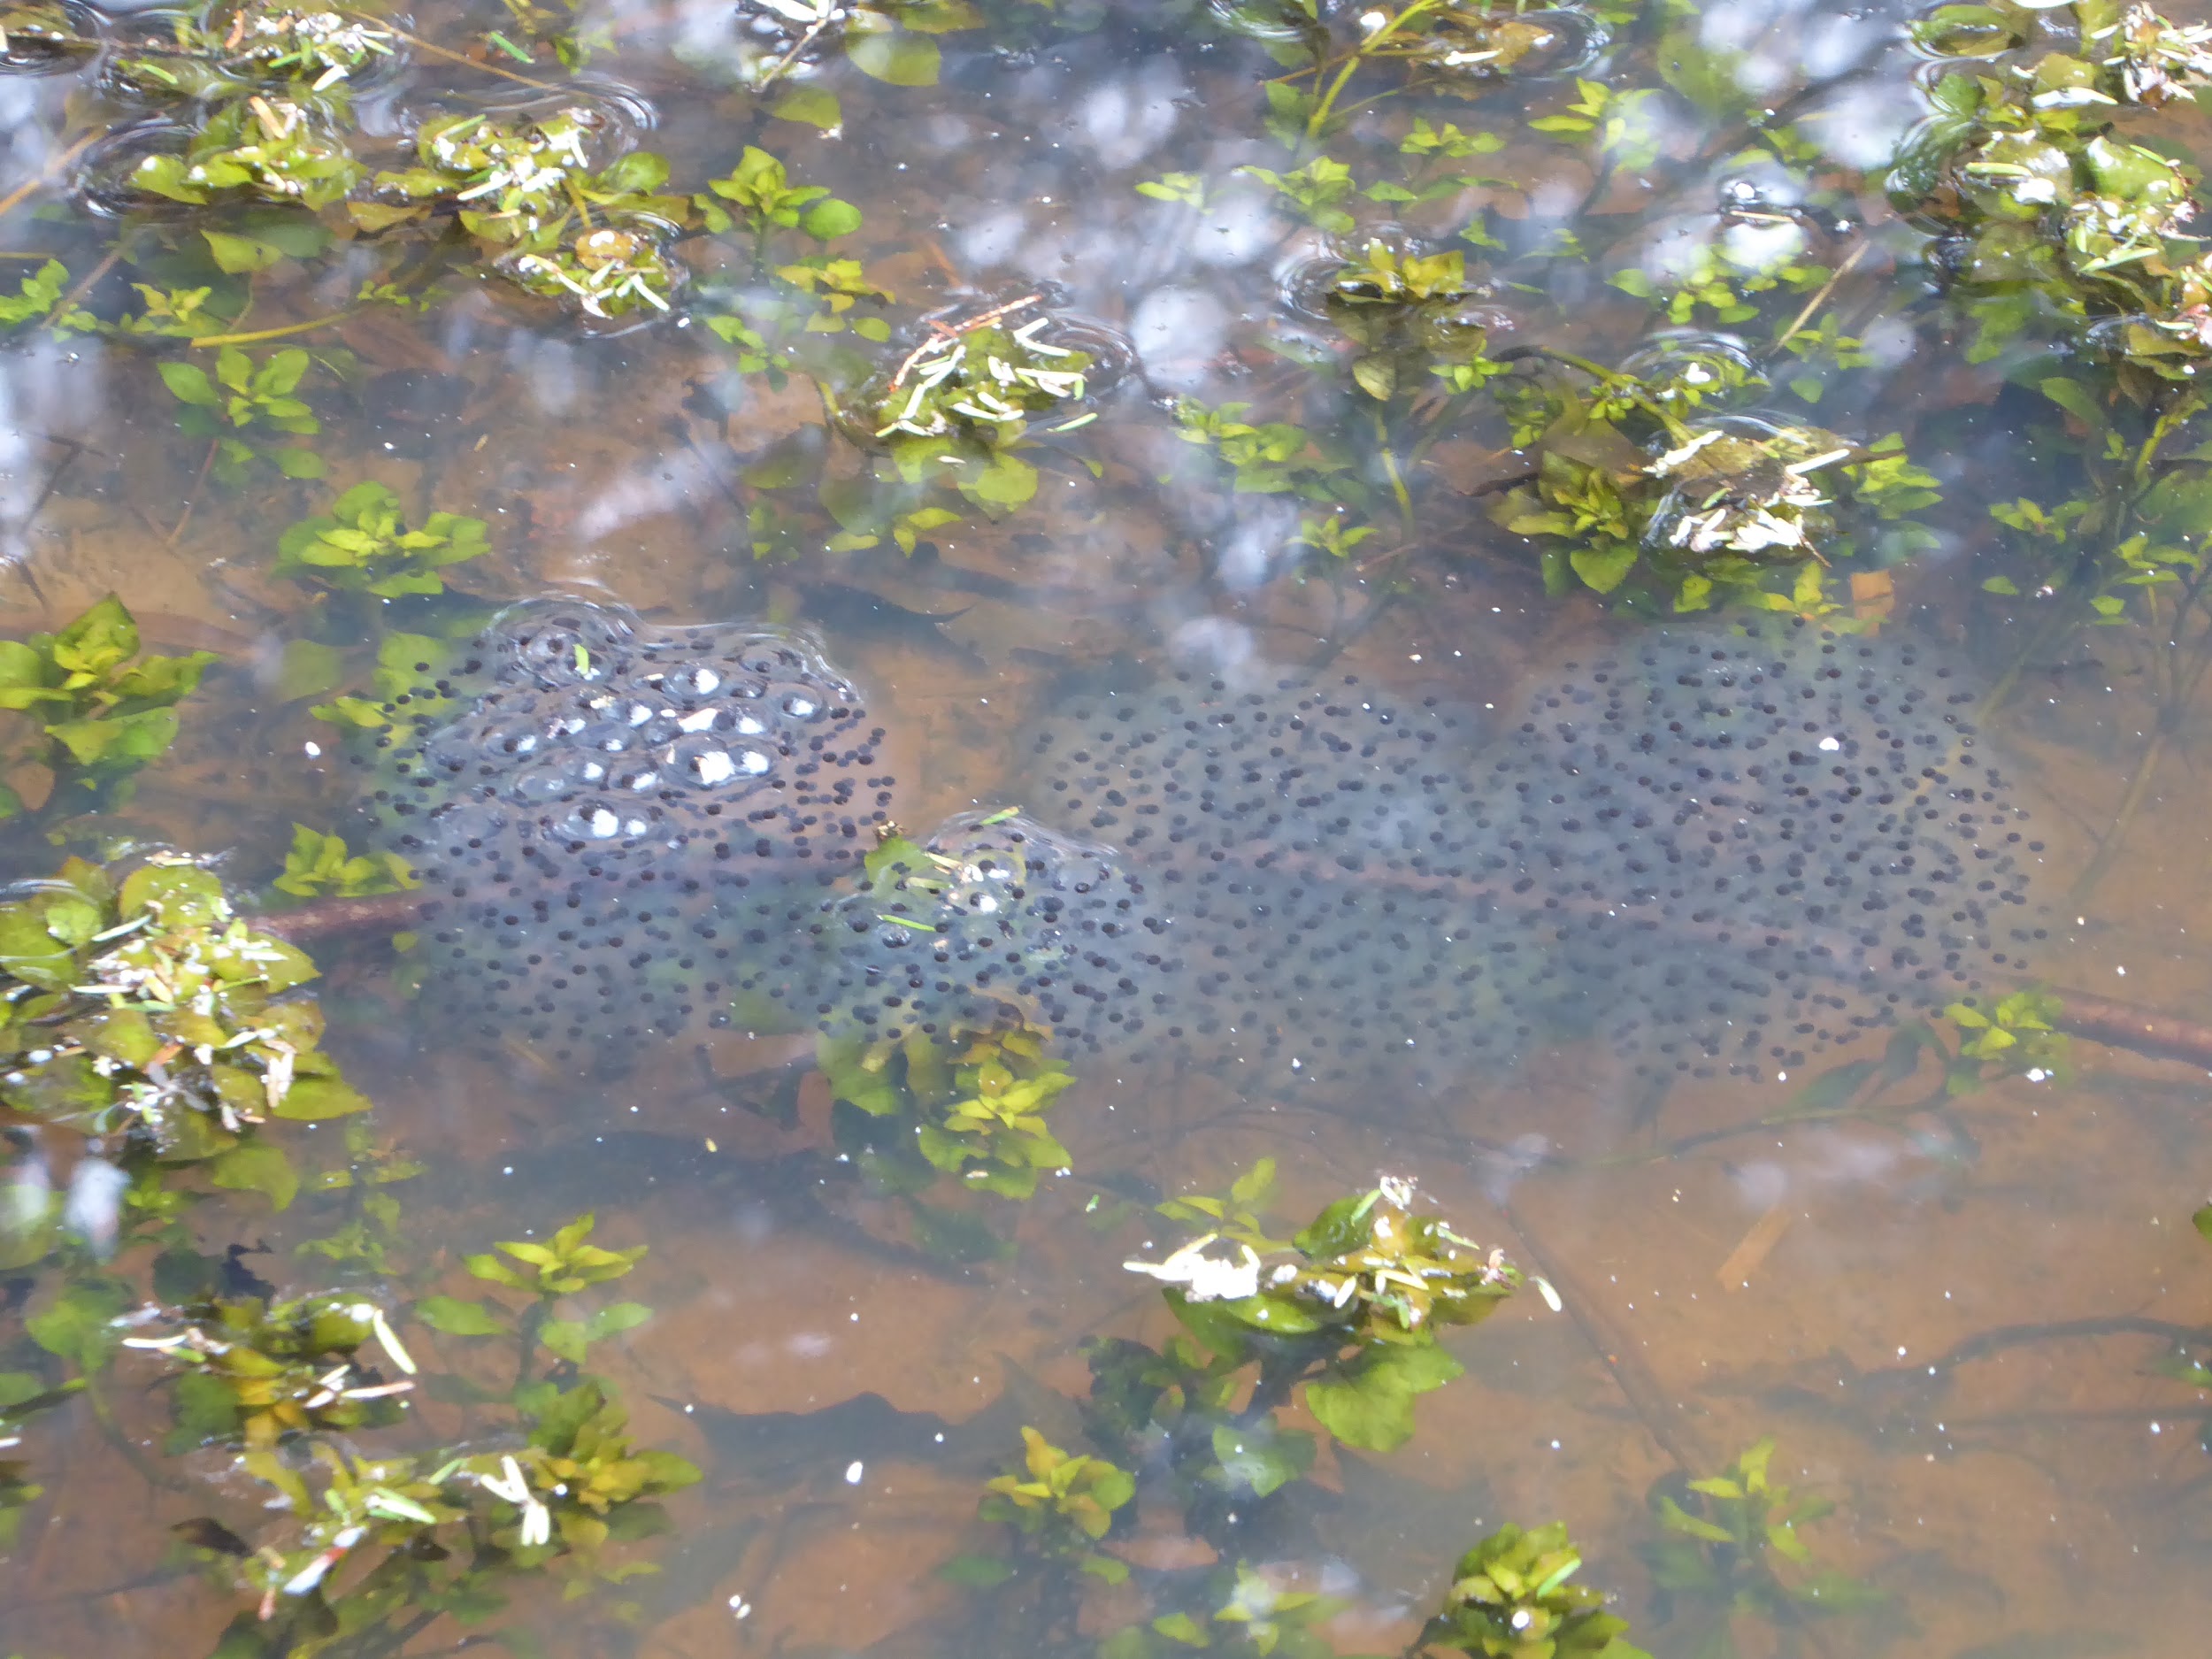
{"x": 619, "y": 801}
{"x": 1748, "y": 847}
{"x": 1707, "y": 848}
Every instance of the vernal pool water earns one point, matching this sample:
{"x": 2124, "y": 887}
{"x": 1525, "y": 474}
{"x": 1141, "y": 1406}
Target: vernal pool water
{"x": 918, "y": 675}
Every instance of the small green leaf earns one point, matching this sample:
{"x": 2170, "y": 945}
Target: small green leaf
{"x": 880, "y": 50}
{"x": 255, "y": 1166}
{"x": 189, "y": 382}
{"x": 826, "y": 220}
{"x": 814, "y": 105}
{"x": 1603, "y": 569}
{"x": 1377, "y": 377}
{"x": 2202, "y": 1221}
{"x": 240, "y": 254}
{"x": 457, "y": 1318}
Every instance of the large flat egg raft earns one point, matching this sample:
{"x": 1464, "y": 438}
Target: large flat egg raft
{"x": 1192, "y": 771}
{"x": 1707, "y": 847}
{"x": 620, "y": 804}
{"x": 1308, "y": 845}
{"x": 1743, "y": 847}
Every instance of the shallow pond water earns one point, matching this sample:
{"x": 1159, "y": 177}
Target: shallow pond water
{"x": 1559, "y": 606}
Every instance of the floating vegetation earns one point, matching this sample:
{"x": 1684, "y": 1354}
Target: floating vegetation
{"x": 1353, "y": 1307}
{"x": 445, "y": 1527}
{"x": 269, "y": 149}
{"x": 604, "y": 273}
{"x": 145, "y": 1009}
{"x": 979, "y": 377}
{"x": 45, "y": 36}
{"x": 224, "y": 50}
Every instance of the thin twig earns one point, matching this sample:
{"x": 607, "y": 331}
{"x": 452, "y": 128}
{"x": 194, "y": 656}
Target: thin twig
{"x": 193, "y": 499}
{"x": 784, "y": 62}
{"x": 941, "y": 335}
{"x": 462, "y": 59}
{"x": 31, "y": 187}
{"x": 1821, "y": 298}
{"x": 69, "y": 300}
{"x": 207, "y": 342}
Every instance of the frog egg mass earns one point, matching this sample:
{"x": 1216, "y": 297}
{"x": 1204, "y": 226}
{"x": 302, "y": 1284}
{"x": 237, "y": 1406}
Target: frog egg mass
{"x": 1709, "y": 849}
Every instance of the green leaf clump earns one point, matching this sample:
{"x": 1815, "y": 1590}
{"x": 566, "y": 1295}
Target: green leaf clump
{"x": 1511, "y": 1598}
{"x": 144, "y": 1009}
{"x": 362, "y": 546}
{"x": 104, "y": 710}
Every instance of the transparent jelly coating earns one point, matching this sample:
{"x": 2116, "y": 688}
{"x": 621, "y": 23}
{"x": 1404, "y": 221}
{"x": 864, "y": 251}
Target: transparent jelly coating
{"x": 617, "y": 796}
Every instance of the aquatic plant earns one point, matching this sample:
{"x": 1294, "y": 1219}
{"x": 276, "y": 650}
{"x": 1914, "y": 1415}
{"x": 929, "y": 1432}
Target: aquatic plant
{"x": 1729, "y": 1544}
{"x": 972, "y": 1108}
{"x": 102, "y": 709}
{"x": 1060, "y": 1503}
{"x": 268, "y": 149}
{"x": 144, "y": 1009}
{"x": 320, "y": 865}
{"x": 251, "y": 1373}
{"x": 1511, "y": 1598}
{"x": 240, "y": 394}
{"x": 42, "y": 296}
{"x": 2016, "y": 1036}
{"x": 450, "y": 1528}
{"x": 227, "y": 50}
{"x": 361, "y": 546}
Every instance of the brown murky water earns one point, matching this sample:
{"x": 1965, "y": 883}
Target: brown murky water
{"x": 1949, "y": 1319}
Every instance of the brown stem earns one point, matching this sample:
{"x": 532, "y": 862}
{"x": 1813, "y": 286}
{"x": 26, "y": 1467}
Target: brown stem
{"x": 193, "y": 499}
{"x": 321, "y": 919}
{"x": 2124, "y": 1025}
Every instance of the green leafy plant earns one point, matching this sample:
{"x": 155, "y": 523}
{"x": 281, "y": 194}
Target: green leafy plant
{"x": 1729, "y": 1545}
{"x": 1060, "y": 1501}
{"x": 442, "y": 1529}
{"x": 241, "y": 395}
{"x": 102, "y": 709}
{"x": 1511, "y": 1598}
{"x": 758, "y": 194}
{"x": 564, "y": 1264}
{"x": 1412, "y": 314}
{"x": 361, "y": 546}
{"x": 251, "y": 1373}
{"x": 270, "y": 149}
{"x": 42, "y": 296}
{"x": 1349, "y": 1313}
{"x": 318, "y": 864}
{"x": 973, "y": 1109}
{"x": 1270, "y": 458}
{"x": 144, "y": 1009}
{"x": 2016, "y": 1036}
{"x": 1317, "y": 192}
